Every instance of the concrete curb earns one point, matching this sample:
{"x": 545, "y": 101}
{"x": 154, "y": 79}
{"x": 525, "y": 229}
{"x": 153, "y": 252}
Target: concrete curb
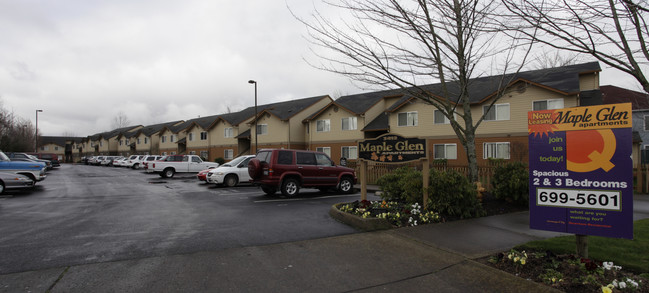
{"x": 367, "y": 224}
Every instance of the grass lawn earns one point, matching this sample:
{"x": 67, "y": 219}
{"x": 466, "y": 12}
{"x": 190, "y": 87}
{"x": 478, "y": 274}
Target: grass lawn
{"x": 632, "y": 255}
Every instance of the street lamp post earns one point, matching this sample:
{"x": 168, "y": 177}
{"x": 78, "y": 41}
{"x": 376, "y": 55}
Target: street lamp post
{"x": 36, "y": 137}
{"x": 256, "y": 130}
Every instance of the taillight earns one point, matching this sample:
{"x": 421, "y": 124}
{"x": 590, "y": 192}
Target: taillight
{"x": 153, "y": 166}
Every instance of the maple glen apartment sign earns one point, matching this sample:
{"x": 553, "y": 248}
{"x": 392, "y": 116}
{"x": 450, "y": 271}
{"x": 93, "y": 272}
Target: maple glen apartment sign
{"x": 581, "y": 174}
{"x": 390, "y": 148}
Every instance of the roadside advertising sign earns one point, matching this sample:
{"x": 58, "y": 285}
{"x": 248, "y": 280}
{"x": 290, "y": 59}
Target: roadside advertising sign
{"x": 581, "y": 171}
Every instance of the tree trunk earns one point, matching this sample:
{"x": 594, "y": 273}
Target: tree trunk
{"x": 471, "y": 156}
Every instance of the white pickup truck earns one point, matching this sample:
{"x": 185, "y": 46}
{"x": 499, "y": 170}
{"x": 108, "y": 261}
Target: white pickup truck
{"x": 173, "y": 164}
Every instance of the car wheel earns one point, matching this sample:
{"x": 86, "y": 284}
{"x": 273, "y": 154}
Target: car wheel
{"x": 346, "y": 185}
{"x": 270, "y": 191}
{"x": 136, "y": 166}
{"x": 168, "y": 173}
{"x": 290, "y": 187}
{"x": 230, "y": 180}
{"x": 2, "y": 187}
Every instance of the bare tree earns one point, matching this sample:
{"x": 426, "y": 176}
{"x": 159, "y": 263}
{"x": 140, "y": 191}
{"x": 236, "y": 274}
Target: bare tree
{"x": 408, "y": 44}
{"x": 555, "y": 58}
{"x": 615, "y": 32}
{"x": 120, "y": 121}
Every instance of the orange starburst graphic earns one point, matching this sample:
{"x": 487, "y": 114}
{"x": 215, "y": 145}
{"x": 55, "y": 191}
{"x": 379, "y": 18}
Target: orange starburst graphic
{"x": 541, "y": 122}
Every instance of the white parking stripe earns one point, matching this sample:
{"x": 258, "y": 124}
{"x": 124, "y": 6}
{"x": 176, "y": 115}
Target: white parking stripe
{"x": 306, "y": 198}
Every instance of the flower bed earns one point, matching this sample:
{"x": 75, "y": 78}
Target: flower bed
{"x": 394, "y": 213}
{"x": 568, "y": 272}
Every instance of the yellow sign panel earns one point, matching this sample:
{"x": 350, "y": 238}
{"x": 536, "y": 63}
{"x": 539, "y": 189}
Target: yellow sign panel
{"x": 580, "y": 118}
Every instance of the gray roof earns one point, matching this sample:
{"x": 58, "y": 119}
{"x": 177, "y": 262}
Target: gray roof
{"x": 286, "y": 110}
{"x": 563, "y": 79}
{"x": 151, "y": 129}
{"x": 380, "y": 123}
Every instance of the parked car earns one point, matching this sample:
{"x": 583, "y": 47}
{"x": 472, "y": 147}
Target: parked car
{"x": 290, "y": 170}
{"x": 35, "y": 171}
{"x": 202, "y": 175}
{"x": 53, "y": 158}
{"x": 120, "y": 162}
{"x": 134, "y": 161}
{"x": 180, "y": 164}
{"x": 14, "y": 181}
{"x": 97, "y": 160}
{"x": 147, "y": 160}
{"x": 13, "y": 156}
{"x": 107, "y": 161}
{"x": 231, "y": 173}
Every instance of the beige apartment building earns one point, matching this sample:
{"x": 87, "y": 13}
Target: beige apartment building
{"x": 336, "y": 127}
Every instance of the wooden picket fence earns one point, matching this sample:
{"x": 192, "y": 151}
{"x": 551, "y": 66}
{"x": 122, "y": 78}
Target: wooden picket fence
{"x": 485, "y": 173}
{"x": 376, "y": 170}
{"x": 641, "y": 179}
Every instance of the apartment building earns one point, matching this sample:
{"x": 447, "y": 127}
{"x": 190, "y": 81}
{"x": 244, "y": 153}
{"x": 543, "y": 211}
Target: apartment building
{"x": 336, "y": 127}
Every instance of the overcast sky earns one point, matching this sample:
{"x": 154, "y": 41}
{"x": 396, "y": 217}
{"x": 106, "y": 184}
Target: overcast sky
{"x": 84, "y": 61}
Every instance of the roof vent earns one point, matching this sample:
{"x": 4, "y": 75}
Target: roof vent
{"x": 521, "y": 88}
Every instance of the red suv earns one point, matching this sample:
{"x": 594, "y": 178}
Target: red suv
{"x": 290, "y": 170}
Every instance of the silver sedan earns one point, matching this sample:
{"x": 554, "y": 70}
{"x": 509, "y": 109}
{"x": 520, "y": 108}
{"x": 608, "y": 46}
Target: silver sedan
{"x": 14, "y": 181}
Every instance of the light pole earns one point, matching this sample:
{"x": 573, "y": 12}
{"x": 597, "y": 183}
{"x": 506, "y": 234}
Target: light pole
{"x": 36, "y": 138}
{"x": 256, "y": 130}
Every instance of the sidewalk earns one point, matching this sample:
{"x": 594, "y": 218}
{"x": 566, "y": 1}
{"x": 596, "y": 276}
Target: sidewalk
{"x": 437, "y": 257}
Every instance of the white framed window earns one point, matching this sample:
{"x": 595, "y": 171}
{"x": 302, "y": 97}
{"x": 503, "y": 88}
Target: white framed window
{"x": 173, "y": 153}
{"x": 228, "y": 132}
{"x": 164, "y": 153}
{"x": 547, "y": 104}
{"x": 228, "y": 154}
{"x": 203, "y": 135}
{"x": 326, "y": 150}
{"x": 350, "y": 152}
{"x": 121, "y": 142}
{"x": 497, "y": 112}
{"x": 173, "y": 138}
{"x": 164, "y": 139}
{"x": 262, "y": 129}
{"x": 146, "y": 140}
{"x": 101, "y": 143}
{"x": 323, "y": 125}
{"x": 138, "y": 141}
{"x": 407, "y": 119}
{"x": 191, "y": 137}
{"x": 56, "y": 148}
{"x": 445, "y": 151}
{"x": 495, "y": 150}
{"x": 349, "y": 123}
{"x": 192, "y": 152}
{"x": 646, "y": 123}
{"x": 204, "y": 154}
{"x": 440, "y": 118}
{"x": 128, "y": 142}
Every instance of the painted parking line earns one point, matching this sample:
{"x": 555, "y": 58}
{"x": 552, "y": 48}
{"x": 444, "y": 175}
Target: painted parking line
{"x": 305, "y": 198}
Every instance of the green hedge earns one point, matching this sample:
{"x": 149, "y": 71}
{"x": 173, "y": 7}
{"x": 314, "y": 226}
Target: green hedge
{"x": 450, "y": 193}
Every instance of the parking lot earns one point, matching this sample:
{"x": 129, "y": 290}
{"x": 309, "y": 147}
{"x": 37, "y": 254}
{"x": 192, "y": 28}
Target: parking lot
{"x": 89, "y": 214}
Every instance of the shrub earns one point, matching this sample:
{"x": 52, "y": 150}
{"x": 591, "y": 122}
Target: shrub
{"x": 511, "y": 183}
{"x": 404, "y": 184}
{"x": 221, "y": 161}
{"x": 451, "y": 194}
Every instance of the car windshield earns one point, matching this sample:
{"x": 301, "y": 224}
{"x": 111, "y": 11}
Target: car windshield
{"x": 32, "y": 157}
{"x": 234, "y": 162}
{"x": 3, "y": 157}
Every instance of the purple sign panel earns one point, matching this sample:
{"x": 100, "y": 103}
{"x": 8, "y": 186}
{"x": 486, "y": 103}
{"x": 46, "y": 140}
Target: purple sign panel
{"x": 581, "y": 174}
